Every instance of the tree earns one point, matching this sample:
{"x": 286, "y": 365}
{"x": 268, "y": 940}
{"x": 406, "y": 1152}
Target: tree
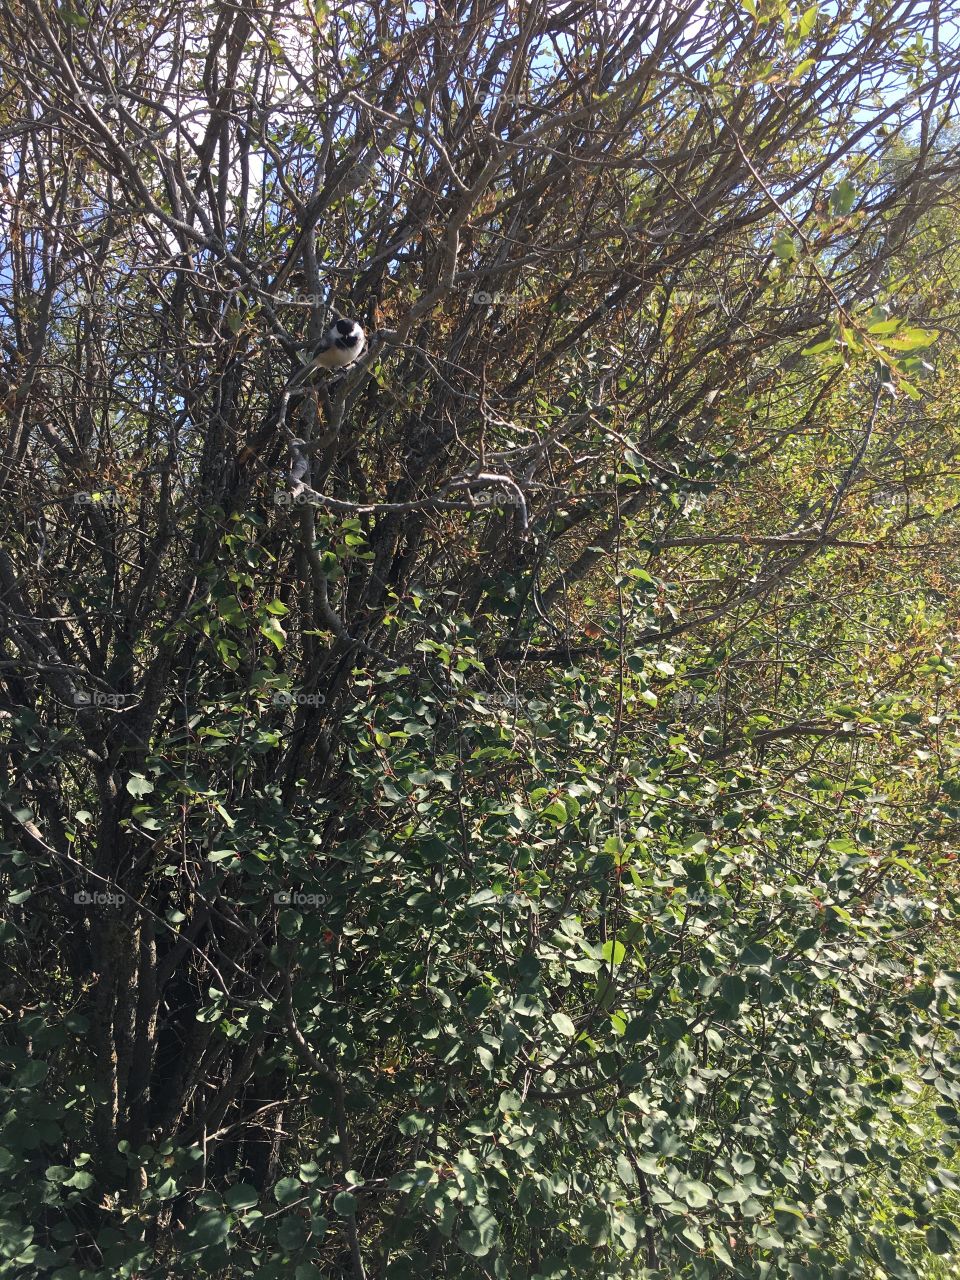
{"x": 370, "y": 912}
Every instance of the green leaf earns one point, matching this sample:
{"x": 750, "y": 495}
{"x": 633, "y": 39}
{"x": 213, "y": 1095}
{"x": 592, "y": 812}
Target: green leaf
{"x": 345, "y": 1203}
{"x": 784, "y": 246}
{"x": 564, "y": 1025}
{"x": 274, "y": 632}
{"x": 756, "y": 955}
{"x": 806, "y": 23}
{"x": 595, "y": 1225}
{"x": 818, "y": 348}
{"x": 287, "y": 1189}
{"x": 221, "y": 855}
{"x": 209, "y": 1228}
{"x": 29, "y": 1074}
{"x": 477, "y": 1000}
{"x": 557, "y": 812}
{"x": 697, "y": 1194}
{"x": 733, "y": 991}
{"x": 842, "y": 198}
{"x": 485, "y": 1224}
{"x": 938, "y": 1242}
{"x": 912, "y": 339}
{"x": 138, "y": 785}
{"x": 909, "y": 389}
{"x": 720, "y": 1250}
{"x": 241, "y": 1196}
{"x": 291, "y": 1233}
{"x": 470, "y": 1242}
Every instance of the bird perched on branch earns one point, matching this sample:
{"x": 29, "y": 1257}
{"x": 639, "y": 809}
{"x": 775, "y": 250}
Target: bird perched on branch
{"x": 343, "y": 343}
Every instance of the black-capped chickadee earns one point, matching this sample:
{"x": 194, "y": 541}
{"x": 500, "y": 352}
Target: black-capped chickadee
{"x": 343, "y": 342}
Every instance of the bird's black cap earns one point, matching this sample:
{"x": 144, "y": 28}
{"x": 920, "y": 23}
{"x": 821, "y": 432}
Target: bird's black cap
{"x": 347, "y": 334}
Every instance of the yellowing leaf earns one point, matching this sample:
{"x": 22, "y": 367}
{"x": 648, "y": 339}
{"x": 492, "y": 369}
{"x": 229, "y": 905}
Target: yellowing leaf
{"x": 274, "y": 632}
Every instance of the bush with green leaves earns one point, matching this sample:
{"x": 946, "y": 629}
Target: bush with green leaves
{"x": 543, "y": 1008}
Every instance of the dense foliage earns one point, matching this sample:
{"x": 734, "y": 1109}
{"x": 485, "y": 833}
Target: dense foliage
{"x": 491, "y": 814}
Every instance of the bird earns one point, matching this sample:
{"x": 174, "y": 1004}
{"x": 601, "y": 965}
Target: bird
{"x": 342, "y": 343}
